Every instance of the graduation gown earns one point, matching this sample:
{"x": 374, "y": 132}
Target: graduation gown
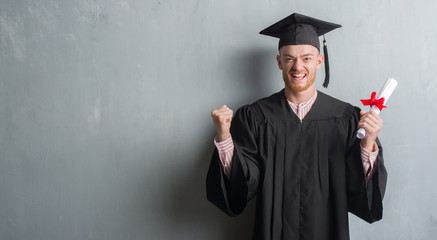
{"x": 307, "y": 175}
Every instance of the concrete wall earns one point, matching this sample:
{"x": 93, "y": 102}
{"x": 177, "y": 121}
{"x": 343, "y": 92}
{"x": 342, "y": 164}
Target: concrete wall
{"x": 105, "y": 128}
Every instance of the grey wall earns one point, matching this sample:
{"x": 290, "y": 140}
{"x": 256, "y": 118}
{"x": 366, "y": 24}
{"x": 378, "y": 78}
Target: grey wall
{"x": 105, "y": 129}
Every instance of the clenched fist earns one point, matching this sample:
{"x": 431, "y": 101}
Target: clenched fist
{"x": 222, "y": 117}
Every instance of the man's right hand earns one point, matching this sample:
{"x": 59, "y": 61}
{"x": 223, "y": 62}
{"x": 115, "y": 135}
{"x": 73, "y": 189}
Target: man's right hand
{"x": 222, "y": 117}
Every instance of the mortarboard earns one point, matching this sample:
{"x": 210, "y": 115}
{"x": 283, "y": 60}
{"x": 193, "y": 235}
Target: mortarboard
{"x": 298, "y": 29}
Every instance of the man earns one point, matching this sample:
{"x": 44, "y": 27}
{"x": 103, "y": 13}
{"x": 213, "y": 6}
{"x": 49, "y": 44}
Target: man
{"x": 297, "y": 151}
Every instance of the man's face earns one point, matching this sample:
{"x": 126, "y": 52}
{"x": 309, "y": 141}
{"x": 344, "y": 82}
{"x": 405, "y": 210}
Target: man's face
{"x": 299, "y": 64}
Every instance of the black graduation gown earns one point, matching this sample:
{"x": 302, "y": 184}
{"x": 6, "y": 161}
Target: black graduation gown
{"x": 306, "y": 175}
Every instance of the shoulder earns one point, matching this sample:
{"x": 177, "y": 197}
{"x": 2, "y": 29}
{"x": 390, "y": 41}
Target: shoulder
{"x": 333, "y": 102}
{"x": 335, "y": 107}
{"x": 274, "y": 106}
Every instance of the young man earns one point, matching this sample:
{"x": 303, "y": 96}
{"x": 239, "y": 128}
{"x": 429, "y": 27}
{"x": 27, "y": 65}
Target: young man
{"x": 297, "y": 151}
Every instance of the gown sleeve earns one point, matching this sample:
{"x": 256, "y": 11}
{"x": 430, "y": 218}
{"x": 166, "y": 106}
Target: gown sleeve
{"x": 231, "y": 195}
{"x": 364, "y": 199}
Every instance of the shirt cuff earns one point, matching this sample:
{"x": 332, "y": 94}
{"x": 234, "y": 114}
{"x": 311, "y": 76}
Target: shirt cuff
{"x": 225, "y": 145}
{"x": 226, "y": 151}
{"x": 369, "y": 159}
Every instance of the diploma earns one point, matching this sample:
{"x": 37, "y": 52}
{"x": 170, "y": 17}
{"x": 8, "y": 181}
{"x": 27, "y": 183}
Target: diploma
{"x": 376, "y": 104}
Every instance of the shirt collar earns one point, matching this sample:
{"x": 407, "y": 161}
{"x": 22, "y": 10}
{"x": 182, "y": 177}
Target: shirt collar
{"x": 310, "y": 101}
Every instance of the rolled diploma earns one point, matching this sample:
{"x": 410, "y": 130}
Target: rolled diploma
{"x": 385, "y": 92}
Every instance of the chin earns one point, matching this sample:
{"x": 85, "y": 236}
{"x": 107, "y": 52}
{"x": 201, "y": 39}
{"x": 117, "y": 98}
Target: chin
{"x": 297, "y": 88}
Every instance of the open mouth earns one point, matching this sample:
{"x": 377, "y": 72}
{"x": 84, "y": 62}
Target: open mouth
{"x": 298, "y": 77}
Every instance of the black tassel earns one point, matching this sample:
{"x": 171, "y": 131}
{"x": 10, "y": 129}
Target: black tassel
{"x": 325, "y": 50}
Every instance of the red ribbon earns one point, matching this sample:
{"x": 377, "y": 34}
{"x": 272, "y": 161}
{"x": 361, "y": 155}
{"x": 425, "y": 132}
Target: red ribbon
{"x": 374, "y": 102}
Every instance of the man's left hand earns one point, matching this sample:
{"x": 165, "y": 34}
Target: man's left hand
{"x": 373, "y": 124}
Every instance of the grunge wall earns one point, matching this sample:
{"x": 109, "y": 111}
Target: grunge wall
{"x": 105, "y": 127}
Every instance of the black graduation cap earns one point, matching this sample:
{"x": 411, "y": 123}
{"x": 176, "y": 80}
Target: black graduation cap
{"x": 298, "y": 29}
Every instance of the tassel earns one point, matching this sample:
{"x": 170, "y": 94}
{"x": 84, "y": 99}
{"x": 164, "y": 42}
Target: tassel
{"x": 325, "y": 50}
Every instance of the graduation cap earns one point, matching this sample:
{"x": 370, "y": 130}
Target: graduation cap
{"x": 298, "y": 29}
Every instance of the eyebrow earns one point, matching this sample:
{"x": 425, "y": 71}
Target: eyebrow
{"x": 308, "y": 54}
{"x": 305, "y": 55}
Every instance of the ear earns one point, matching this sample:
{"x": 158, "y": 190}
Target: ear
{"x": 278, "y": 59}
{"x": 320, "y": 59}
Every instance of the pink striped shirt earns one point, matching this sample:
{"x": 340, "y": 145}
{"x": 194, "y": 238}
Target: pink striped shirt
{"x": 226, "y": 148}
{"x": 302, "y": 109}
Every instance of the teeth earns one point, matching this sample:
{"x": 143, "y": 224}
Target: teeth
{"x": 298, "y": 75}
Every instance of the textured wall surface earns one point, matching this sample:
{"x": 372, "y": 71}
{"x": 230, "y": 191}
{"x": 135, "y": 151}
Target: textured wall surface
{"x": 105, "y": 128}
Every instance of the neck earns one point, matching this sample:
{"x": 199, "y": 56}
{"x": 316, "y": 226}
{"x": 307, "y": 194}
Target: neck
{"x": 299, "y": 97}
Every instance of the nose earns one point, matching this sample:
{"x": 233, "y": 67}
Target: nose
{"x": 298, "y": 65}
